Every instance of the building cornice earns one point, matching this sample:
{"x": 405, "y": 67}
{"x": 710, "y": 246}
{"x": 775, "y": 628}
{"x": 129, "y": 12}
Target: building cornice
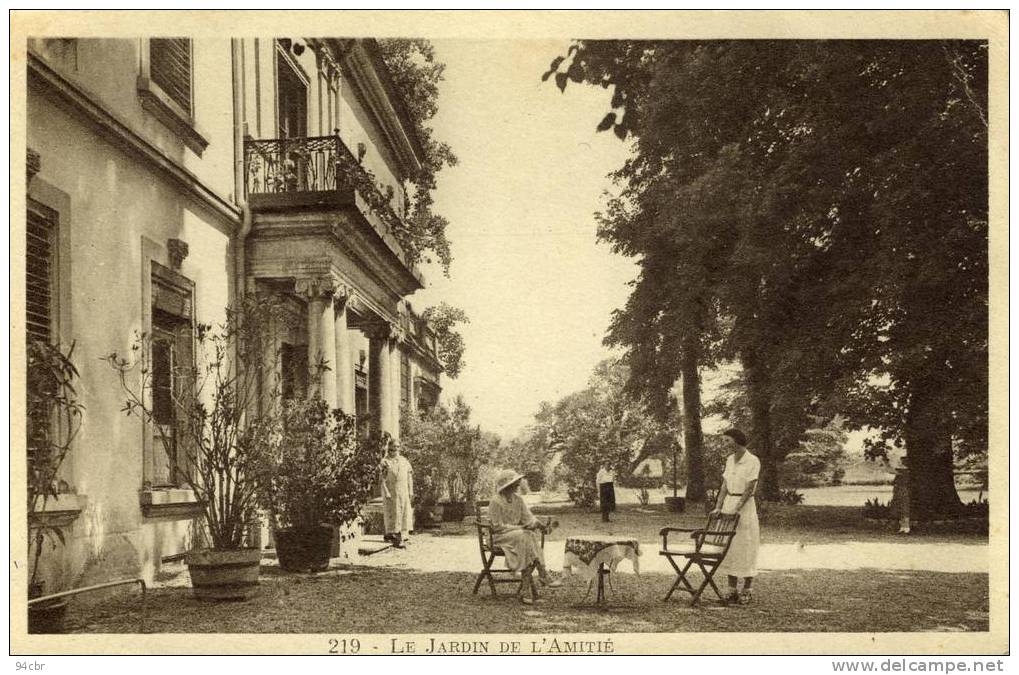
{"x": 43, "y": 77}
{"x": 366, "y": 70}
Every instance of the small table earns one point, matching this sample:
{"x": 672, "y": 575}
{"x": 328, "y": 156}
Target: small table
{"x": 588, "y": 556}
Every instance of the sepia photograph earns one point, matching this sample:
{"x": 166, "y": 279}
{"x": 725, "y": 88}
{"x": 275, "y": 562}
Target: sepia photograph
{"x": 509, "y": 332}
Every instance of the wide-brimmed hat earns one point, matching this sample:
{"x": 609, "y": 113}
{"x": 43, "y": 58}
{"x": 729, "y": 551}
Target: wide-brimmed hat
{"x": 506, "y": 478}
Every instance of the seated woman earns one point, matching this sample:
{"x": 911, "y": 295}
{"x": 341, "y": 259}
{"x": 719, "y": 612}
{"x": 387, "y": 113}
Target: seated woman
{"x": 515, "y": 531}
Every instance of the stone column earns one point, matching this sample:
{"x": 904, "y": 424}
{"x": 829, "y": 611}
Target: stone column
{"x": 318, "y": 291}
{"x": 344, "y": 362}
{"x": 394, "y": 386}
{"x": 379, "y": 379}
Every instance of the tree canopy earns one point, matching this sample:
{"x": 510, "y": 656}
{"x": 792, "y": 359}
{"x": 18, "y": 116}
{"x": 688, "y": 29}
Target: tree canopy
{"x": 816, "y": 210}
{"x": 417, "y": 74}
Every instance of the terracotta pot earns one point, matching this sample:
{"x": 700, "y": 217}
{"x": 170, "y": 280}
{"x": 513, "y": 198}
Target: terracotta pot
{"x": 224, "y": 575}
{"x": 304, "y": 550}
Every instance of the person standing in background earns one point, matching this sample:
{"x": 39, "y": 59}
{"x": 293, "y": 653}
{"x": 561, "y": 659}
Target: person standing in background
{"x": 900, "y": 496}
{"x": 606, "y": 492}
{"x": 397, "y": 488}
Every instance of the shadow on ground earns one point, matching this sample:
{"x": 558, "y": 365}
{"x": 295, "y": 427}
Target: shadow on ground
{"x": 378, "y": 600}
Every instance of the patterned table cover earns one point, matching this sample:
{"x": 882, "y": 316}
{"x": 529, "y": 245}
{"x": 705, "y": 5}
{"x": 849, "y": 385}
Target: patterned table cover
{"x": 585, "y": 554}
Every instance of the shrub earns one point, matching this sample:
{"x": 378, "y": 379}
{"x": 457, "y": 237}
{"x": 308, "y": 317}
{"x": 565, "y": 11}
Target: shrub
{"x": 790, "y": 497}
{"x": 875, "y": 509}
{"x": 53, "y": 418}
{"x": 312, "y": 467}
{"x": 535, "y": 480}
{"x": 978, "y": 508}
{"x": 583, "y": 495}
{"x": 214, "y": 439}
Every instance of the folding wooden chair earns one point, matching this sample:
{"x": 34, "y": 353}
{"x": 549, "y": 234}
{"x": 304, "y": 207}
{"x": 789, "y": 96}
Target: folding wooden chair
{"x": 489, "y": 553}
{"x": 706, "y": 548}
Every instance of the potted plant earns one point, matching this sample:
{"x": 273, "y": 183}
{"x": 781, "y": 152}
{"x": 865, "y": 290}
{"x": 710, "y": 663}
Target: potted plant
{"x": 214, "y": 404}
{"x": 314, "y": 471}
{"x": 53, "y": 419}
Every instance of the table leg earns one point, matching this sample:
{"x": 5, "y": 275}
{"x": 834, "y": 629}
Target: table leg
{"x": 602, "y": 573}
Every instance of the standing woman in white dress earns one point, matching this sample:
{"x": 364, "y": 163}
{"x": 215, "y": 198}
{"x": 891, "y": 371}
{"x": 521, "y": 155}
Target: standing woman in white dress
{"x": 739, "y": 482}
{"x": 397, "y": 489}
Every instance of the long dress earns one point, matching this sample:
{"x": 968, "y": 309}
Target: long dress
{"x": 522, "y": 547}
{"x": 741, "y": 560}
{"x": 397, "y": 486}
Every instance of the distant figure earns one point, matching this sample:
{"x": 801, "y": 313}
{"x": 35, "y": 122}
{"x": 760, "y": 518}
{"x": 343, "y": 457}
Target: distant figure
{"x": 739, "y": 482}
{"x": 606, "y": 492}
{"x": 397, "y": 488}
{"x": 515, "y": 531}
{"x": 900, "y": 496}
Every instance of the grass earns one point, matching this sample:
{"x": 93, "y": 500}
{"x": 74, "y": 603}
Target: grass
{"x": 379, "y": 600}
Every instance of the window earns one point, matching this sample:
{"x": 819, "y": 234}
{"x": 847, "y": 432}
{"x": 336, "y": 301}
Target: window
{"x": 426, "y": 394}
{"x": 40, "y": 273}
{"x": 40, "y": 310}
{"x": 170, "y": 69}
{"x": 166, "y": 87}
{"x": 291, "y": 99}
{"x": 172, "y": 363}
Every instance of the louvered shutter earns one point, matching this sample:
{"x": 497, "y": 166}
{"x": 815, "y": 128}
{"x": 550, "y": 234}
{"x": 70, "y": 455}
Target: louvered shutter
{"x": 40, "y": 273}
{"x": 170, "y": 68}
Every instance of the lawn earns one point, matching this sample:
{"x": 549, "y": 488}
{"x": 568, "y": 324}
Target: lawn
{"x": 379, "y": 600}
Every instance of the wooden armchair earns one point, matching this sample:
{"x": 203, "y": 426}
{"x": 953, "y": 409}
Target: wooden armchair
{"x": 490, "y": 552}
{"x": 705, "y": 547}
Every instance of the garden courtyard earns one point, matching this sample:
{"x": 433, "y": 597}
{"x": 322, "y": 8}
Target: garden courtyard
{"x": 823, "y": 568}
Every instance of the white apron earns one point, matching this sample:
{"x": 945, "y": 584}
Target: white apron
{"x": 741, "y": 561}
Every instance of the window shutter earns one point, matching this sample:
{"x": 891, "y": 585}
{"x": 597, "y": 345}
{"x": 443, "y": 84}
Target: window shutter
{"x": 170, "y": 68}
{"x": 40, "y": 273}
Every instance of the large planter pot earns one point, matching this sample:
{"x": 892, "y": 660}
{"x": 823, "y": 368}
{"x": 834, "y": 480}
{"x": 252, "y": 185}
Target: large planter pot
{"x": 304, "y": 550}
{"x": 454, "y": 512}
{"x": 224, "y": 575}
{"x": 48, "y": 616}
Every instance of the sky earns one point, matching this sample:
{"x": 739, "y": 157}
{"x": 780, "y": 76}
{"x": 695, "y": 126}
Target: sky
{"x": 527, "y": 269}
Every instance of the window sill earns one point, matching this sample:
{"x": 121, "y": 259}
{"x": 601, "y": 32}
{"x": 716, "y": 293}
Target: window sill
{"x": 172, "y": 115}
{"x": 60, "y": 512}
{"x": 177, "y": 503}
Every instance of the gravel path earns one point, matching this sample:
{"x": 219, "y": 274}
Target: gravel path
{"x": 429, "y": 553}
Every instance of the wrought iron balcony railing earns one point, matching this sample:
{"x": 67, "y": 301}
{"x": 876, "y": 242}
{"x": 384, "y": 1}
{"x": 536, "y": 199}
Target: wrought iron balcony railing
{"x": 293, "y": 172}
{"x": 291, "y": 165}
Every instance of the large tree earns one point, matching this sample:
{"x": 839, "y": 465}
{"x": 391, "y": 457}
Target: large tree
{"x": 598, "y": 426}
{"x": 840, "y": 190}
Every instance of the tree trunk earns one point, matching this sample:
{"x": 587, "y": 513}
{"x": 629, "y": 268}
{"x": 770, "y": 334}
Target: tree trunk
{"x": 693, "y": 436}
{"x": 929, "y": 456}
{"x": 759, "y": 395}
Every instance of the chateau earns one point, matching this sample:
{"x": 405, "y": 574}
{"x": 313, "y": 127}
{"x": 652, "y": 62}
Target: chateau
{"x": 167, "y": 178}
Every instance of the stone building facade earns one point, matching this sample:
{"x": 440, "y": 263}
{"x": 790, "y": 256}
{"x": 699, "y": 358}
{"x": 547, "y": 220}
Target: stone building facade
{"x": 167, "y": 177}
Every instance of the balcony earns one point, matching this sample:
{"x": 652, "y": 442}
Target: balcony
{"x": 300, "y": 189}
{"x": 283, "y": 174}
